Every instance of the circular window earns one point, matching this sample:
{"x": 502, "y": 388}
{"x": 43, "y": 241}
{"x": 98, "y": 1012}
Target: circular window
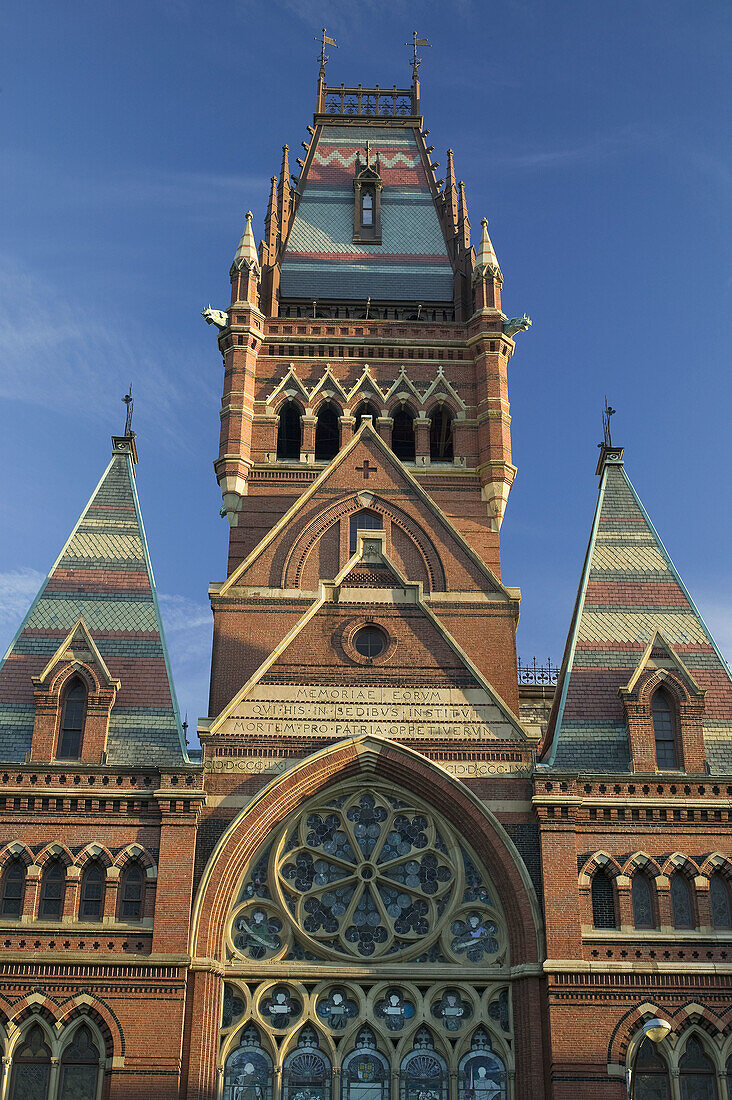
{"x": 369, "y": 641}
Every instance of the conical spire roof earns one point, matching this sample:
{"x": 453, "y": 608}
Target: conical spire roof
{"x": 103, "y": 577}
{"x": 486, "y": 260}
{"x": 630, "y": 593}
{"x": 246, "y": 253}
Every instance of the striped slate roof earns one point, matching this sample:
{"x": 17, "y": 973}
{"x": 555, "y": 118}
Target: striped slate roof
{"x": 629, "y": 590}
{"x": 322, "y": 261}
{"x": 103, "y": 576}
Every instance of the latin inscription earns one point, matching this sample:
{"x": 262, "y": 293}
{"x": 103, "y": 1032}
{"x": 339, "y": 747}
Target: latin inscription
{"x": 463, "y": 769}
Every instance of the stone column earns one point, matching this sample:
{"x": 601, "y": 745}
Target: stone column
{"x": 307, "y": 447}
{"x": 422, "y": 439}
{"x": 71, "y": 894}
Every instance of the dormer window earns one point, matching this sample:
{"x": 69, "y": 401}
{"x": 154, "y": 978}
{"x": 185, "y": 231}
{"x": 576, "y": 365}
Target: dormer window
{"x": 72, "y": 721}
{"x": 367, "y": 199}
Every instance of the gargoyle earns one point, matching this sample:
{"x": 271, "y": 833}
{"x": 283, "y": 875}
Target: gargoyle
{"x": 516, "y": 324}
{"x": 217, "y": 317}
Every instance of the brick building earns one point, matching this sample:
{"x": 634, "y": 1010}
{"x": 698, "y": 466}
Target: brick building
{"x": 402, "y": 867}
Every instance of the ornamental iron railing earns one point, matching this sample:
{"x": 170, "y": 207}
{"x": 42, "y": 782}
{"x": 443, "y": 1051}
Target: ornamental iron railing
{"x": 533, "y": 673}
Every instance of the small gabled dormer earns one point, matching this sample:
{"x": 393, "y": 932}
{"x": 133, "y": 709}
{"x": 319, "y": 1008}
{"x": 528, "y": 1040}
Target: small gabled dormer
{"x": 367, "y": 187}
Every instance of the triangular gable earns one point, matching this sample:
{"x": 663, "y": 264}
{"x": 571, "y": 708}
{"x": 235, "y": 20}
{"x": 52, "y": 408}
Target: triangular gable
{"x": 630, "y": 593}
{"x": 366, "y": 444}
{"x": 76, "y": 649}
{"x": 490, "y": 715}
{"x": 660, "y": 656}
{"x": 103, "y": 575}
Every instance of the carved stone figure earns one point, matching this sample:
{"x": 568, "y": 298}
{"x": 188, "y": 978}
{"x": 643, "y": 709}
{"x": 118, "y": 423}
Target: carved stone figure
{"x": 218, "y": 317}
{"x": 516, "y": 324}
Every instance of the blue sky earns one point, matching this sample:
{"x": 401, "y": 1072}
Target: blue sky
{"x": 595, "y": 137}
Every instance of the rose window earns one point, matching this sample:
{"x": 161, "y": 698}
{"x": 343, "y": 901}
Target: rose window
{"x": 367, "y": 875}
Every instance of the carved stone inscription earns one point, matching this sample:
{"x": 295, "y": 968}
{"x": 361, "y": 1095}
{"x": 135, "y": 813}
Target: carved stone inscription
{"x": 339, "y": 712}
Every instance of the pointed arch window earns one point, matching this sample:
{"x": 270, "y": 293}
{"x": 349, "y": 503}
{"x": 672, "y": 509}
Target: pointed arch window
{"x": 482, "y": 1073}
{"x": 366, "y": 1073}
{"x": 603, "y": 901}
{"x": 367, "y": 207}
{"x": 31, "y": 1067}
{"x": 402, "y": 434}
{"x": 306, "y": 1070}
{"x": 327, "y": 432}
{"x": 423, "y": 1072}
{"x": 642, "y": 897}
{"x": 289, "y": 432}
{"x": 662, "y": 712}
{"x": 365, "y": 520}
{"x": 248, "y": 1070}
{"x": 71, "y": 730}
{"x": 729, "y": 1078}
{"x": 366, "y": 408}
{"x": 91, "y": 906}
{"x": 441, "y": 447}
{"x": 651, "y": 1074}
{"x": 13, "y": 889}
{"x": 681, "y": 901}
{"x": 131, "y": 893}
{"x": 719, "y": 901}
{"x": 697, "y": 1076}
{"x": 53, "y": 888}
{"x": 80, "y": 1067}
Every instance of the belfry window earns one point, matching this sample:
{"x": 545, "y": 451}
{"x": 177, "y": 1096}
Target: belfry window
{"x": 365, "y": 409}
{"x": 13, "y": 889}
{"x": 441, "y": 449}
{"x": 663, "y": 730}
{"x": 327, "y": 432}
{"x": 402, "y": 434}
{"x": 603, "y": 902}
{"x": 72, "y": 721}
{"x": 365, "y": 520}
{"x": 289, "y": 432}
{"x": 53, "y": 888}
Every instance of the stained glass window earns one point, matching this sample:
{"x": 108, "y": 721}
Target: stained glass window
{"x": 335, "y": 1008}
{"x": 423, "y": 1074}
{"x": 80, "y": 1067}
{"x": 306, "y": 1073}
{"x": 131, "y": 893}
{"x": 482, "y": 1073}
{"x": 719, "y": 901}
{"x": 395, "y": 1010}
{"x": 248, "y": 1069}
{"x": 31, "y": 1067}
{"x": 651, "y": 1074}
{"x": 72, "y": 721}
{"x": 697, "y": 1077}
{"x": 53, "y": 887}
{"x": 681, "y": 906}
{"x": 663, "y": 730}
{"x": 452, "y": 1010}
{"x": 13, "y": 888}
{"x": 365, "y": 1074}
{"x": 642, "y": 901}
{"x": 603, "y": 901}
{"x": 367, "y": 875}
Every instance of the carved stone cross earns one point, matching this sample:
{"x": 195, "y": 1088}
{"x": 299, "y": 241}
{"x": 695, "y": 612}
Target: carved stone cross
{"x": 367, "y": 469}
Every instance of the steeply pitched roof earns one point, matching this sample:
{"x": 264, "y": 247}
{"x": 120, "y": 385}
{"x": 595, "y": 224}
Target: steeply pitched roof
{"x": 322, "y": 261}
{"x": 104, "y": 577}
{"x": 629, "y": 591}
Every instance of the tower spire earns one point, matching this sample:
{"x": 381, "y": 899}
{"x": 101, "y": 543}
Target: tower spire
{"x": 246, "y": 253}
{"x": 283, "y": 191}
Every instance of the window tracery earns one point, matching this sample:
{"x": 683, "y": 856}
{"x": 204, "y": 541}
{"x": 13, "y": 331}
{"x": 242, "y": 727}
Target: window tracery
{"x": 681, "y": 904}
{"x": 642, "y": 897}
{"x": 482, "y": 1073}
{"x": 248, "y": 1070}
{"x": 307, "y": 1072}
{"x": 719, "y": 901}
{"x": 697, "y": 1076}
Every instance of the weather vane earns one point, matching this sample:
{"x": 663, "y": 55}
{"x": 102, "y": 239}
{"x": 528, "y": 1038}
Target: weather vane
{"x": 127, "y": 399}
{"x": 325, "y": 41}
{"x": 416, "y": 60}
{"x": 607, "y": 412}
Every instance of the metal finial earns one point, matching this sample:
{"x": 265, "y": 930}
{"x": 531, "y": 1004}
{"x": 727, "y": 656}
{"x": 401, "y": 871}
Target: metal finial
{"x": 127, "y": 399}
{"x": 325, "y": 41}
{"x": 416, "y": 60}
{"x": 606, "y": 414}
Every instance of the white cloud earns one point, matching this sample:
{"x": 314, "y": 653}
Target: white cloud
{"x": 188, "y": 628}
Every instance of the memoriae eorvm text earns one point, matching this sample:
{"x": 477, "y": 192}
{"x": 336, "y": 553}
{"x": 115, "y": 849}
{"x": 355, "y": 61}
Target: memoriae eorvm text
{"x": 403, "y": 867}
